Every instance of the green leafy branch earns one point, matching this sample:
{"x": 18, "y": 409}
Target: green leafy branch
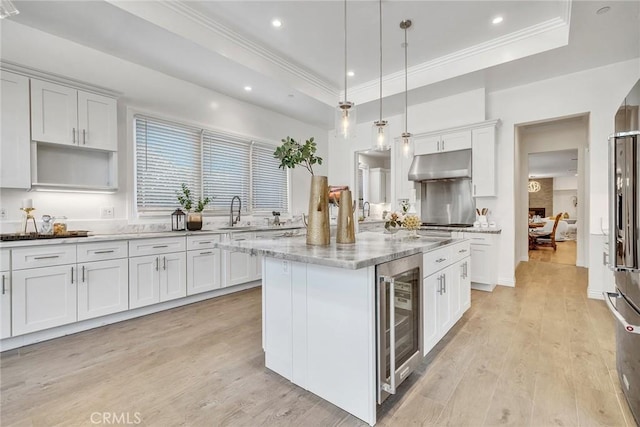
{"x": 291, "y": 154}
{"x": 186, "y": 202}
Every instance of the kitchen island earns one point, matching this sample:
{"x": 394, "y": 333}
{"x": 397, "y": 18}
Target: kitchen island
{"x": 319, "y": 309}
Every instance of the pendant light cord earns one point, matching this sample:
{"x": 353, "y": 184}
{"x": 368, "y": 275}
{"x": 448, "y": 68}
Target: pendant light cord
{"x": 405, "y": 80}
{"x": 380, "y": 12}
{"x": 345, "y": 51}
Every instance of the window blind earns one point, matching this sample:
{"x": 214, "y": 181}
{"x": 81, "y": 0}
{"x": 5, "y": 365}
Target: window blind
{"x": 167, "y": 155}
{"x": 270, "y": 185}
{"x": 226, "y": 170}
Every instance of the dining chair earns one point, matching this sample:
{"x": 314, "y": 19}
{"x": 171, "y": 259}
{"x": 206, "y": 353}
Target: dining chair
{"x": 545, "y": 238}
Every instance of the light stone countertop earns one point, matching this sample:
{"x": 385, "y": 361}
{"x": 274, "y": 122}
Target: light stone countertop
{"x": 370, "y": 248}
{"x": 151, "y": 235}
{"x": 486, "y": 230}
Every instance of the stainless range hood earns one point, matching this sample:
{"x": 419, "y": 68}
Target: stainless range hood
{"x": 449, "y": 165}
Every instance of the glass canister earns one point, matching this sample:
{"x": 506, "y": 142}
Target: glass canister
{"x": 47, "y": 225}
{"x": 59, "y": 225}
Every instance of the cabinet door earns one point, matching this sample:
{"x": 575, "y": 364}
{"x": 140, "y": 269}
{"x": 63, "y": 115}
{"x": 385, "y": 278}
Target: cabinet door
{"x": 15, "y": 171}
{"x": 452, "y": 291}
{"x": 481, "y": 265}
{"x": 103, "y": 288}
{"x": 465, "y": 285}
{"x": 455, "y": 141}
{"x": 144, "y": 279}
{"x": 203, "y": 271}
{"x": 43, "y": 298}
{"x": 5, "y": 306}
{"x": 173, "y": 276}
{"x": 483, "y": 161}
{"x": 54, "y": 113}
{"x": 427, "y": 145}
{"x": 97, "y": 121}
{"x": 431, "y": 295}
{"x": 238, "y": 268}
{"x": 445, "y": 308}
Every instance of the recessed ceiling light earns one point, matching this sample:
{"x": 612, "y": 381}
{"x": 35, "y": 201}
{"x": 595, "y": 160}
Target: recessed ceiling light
{"x": 497, "y": 20}
{"x": 350, "y": 73}
{"x": 248, "y": 88}
{"x": 276, "y": 23}
{"x": 603, "y": 10}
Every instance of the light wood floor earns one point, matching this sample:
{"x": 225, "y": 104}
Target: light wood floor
{"x": 565, "y": 253}
{"x": 540, "y": 354}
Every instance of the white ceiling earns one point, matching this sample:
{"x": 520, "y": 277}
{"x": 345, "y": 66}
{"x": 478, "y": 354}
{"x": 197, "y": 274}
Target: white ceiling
{"x": 298, "y": 69}
{"x": 553, "y": 163}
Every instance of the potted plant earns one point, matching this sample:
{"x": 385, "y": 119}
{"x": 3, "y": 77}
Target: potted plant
{"x": 194, "y": 219}
{"x": 291, "y": 154}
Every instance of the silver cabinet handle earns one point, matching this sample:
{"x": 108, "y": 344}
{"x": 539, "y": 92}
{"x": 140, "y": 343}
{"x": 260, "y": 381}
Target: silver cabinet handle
{"x": 461, "y": 251}
{"x": 604, "y": 258}
{"x": 474, "y": 189}
{"x": 443, "y": 145}
{"x": 466, "y": 269}
{"x": 84, "y": 136}
{"x": 110, "y": 251}
{"x": 157, "y": 263}
{"x": 83, "y": 274}
{"x": 47, "y": 257}
{"x": 633, "y": 329}
{"x": 441, "y": 260}
{"x": 444, "y": 283}
{"x": 160, "y": 246}
{"x": 203, "y": 243}
{"x": 71, "y": 274}
{"x": 438, "y": 146}
{"x": 206, "y": 253}
{"x": 4, "y": 289}
{"x": 73, "y": 134}
{"x": 164, "y": 262}
{"x": 439, "y": 279}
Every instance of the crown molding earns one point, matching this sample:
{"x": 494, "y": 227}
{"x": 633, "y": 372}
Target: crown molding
{"x": 459, "y": 60}
{"x": 285, "y": 65}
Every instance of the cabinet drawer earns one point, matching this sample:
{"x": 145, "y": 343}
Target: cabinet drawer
{"x": 156, "y": 246}
{"x": 460, "y": 250}
{"x": 43, "y": 256}
{"x": 242, "y": 236}
{"x": 102, "y": 251}
{"x": 479, "y": 238}
{"x": 202, "y": 242}
{"x": 4, "y": 259}
{"x": 436, "y": 260}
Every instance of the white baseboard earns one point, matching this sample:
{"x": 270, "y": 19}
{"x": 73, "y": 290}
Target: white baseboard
{"x": 60, "y": 331}
{"x": 482, "y": 287}
{"x": 593, "y": 294}
{"x": 511, "y": 282}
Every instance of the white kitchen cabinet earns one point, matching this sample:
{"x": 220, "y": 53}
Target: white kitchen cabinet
{"x": 157, "y": 270}
{"x": 483, "y": 269}
{"x": 440, "y": 143}
{"x": 15, "y": 144}
{"x": 203, "y": 264}
{"x": 483, "y": 161}
{"x": 64, "y": 115}
{"x": 446, "y": 291}
{"x": 240, "y": 267}
{"x": 379, "y": 185}
{"x": 103, "y": 288}
{"x": 43, "y": 298}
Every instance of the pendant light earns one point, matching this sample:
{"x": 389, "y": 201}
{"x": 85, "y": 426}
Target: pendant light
{"x": 345, "y": 123}
{"x": 405, "y": 137}
{"x": 380, "y": 131}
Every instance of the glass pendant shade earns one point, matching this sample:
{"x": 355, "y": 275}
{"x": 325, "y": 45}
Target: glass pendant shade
{"x": 345, "y": 123}
{"x": 406, "y": 138}
{"x": 380, "y": 135}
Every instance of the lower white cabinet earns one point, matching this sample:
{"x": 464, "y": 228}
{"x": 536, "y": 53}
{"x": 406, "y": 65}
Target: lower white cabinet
{"x": 447, "y": 293}
{"x": 156, "y": 278}
{"x": 240, "y": 267}
{"x": 203, "y": 271}
{"x": 5, "y": 305}
{"x": 483, "y": 270}
{"x": 43, "y": 298}
{"x": 103, "y": 288}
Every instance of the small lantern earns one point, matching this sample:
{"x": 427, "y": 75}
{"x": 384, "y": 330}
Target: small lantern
{"x": 177, "y": 220}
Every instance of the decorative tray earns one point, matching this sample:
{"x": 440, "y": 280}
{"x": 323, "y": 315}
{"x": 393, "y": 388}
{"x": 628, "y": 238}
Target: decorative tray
{"x": 36, "y": 236}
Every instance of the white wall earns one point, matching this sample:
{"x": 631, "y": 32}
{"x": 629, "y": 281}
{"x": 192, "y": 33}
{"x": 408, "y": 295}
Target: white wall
{"x": 147, "y": 90}
{"x": 597, "y": 92}
{"x": 565, "y": 183}
{"x": 565, "y": 193}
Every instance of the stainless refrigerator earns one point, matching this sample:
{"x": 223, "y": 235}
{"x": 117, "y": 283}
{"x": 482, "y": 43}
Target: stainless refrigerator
{"x": 624, "y": 248}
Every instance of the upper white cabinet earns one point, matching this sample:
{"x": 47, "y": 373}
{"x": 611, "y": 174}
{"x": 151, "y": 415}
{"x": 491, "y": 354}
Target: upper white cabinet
{"x": 483, "y": 161}
{"x": 64, "y": 115}
{"x": 14, "y": 128}
{"x": 379, "y": 185}
{"x": 441, "y": 142}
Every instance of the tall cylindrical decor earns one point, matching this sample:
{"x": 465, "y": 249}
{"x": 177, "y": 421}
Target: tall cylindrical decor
{"x": 318, "y": 222}
{"x": 345, "y": 232}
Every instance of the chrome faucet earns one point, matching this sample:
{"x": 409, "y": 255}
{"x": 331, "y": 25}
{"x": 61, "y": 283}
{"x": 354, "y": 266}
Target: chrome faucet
{"x": 366, "y": 209}
{"x": 233, "y": 221}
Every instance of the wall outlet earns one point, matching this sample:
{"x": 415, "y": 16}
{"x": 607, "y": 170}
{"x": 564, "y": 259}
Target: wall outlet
{"x": 106, "y": 213}
{"x": 3, "y": 213}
